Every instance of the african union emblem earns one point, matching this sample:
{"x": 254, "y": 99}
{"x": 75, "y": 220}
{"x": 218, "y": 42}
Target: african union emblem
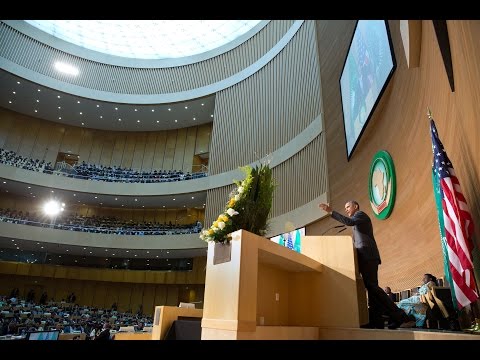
{"x": 382, "y": 184}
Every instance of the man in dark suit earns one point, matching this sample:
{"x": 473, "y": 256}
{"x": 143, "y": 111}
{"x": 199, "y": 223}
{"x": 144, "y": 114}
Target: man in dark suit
{"x": 368, "y": 260}
{"x": 105, "y": 333}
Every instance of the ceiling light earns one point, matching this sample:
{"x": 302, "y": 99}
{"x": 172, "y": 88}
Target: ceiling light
{"x": 29, "y": 187}
{"x": 59, "y": 107}
{"x": 18, "y": 82}
{"x": 136, "y": 199}
{"x": 175, "y": 120}
{"x": 113, "y": 254}
{"x": 9, "y": 102}
{"x": 135, "y": 109}
{"x": 78, "y": 101}
{"x": 119, "y": 119}
{"x": 138, "y": 121}
{"x": 52, "y": 208}
{"x": 211, "y": 115}
{"x": 39, "y": 90}
{"x": 38, "y": 100}
{"x": 153, "y": 110}
{"x": 66, "y": 68}
{"x": 106, "y": 249}
{"x": 81, "y": 113}
{"x": 13, "y": 240}
{"x": 158, "y": 121}
{"x": 194, "y": 119}
{"x": 148, "y": 252}
{"x": 36, "y": 110}
{"x": 74, "y": 194}
{"x": 67, "y": 250}
{"x": 13, "y": 92}
{"x": 95, "y": 197}
{"x": 173, "y": 199}
{"x": 169, "y": 109}
{"x": 116, "y": 199}
{"x": 116, "y": 108}
{"x": 52, "y": 191}
{"x": 135, "y": 255}
{"x": 101, "y": 117}
{"x": 59, "y": 118}
{"x": 98, "y": 105}
{"x": 58, "y": 96}
{"x": 90, "y": 252}
{"x": 193, "y": 197}
{"x": 203, "y": 104}
{"x": 41, "y": 247}
{"x": 186, "y": 107}
{"x": 127, "y": 251}
{"x": 156, "y": 256}
{"x": 83, "y": 123}
{"x": 84, "y": 248}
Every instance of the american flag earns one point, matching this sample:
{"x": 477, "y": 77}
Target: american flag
{"x": 455, "y": 222}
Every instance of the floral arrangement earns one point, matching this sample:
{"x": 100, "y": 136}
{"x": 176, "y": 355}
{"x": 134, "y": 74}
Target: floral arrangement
{"x": 248, "y": 207}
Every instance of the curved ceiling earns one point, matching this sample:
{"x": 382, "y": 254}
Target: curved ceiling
{"x": 147, "y": 39}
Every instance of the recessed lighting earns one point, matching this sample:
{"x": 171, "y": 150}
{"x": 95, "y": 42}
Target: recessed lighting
{"x": 138, "y": 121}
{"x": 90, "y": 252}
{"x": 84, "y": 248}
{"x": 41, "y": 247}
{"x": 158, "y": 121}
{"x": 135, "y": 255}
{"x": 113, "y": 254}
{"x": 101, "y": 203}
{"x": 193, "y": 197}
{"x": 67, "y": 250}
{"x": 52, "y": 191}
{"x": 106, "y": 249}
{"x": 116, "y": 108}
{"x": 13, "y": 240}
{"x": 59, "y": 107}
{"x": 148, "y": 252}
{"x": 169, "y": 109}
{"x": 136, "y": 110}
{"x": 163, "y": 205}
{"x": 78, "y": 101}
{"x": 36, "y": 110}
{"x": 29, "y": 187}
{"x": 211, "y": 115}
{"x": 173, "y": 199}
{"x": 59, "y": 118}
{"x": 143, "y": 206}
{"x": 76, "y": 260}
{"x": 203, "y": 104}
{"x": 58, "y": 96}
{"x": 116, "y": 199}
{"x": 9, "y": 102}
{"x": 175, "y": 120}
{"x": 101, "y": 117}
{"x": 136, "y": 199}
{"x": 194, "y": 119}
{"x": 13, "y": 92}
{"x": 83, "y": 123}
{"x": 156, "y": 256}
{"x": 127, "y": 251}
{"x": 38, "y": 100}
{"x": 39, "y": 90}
{"x": 18, "y": 82}
{"x": 81, "y": 113}
{"x": 95, "y": 197}
{"x": 66, "y": 68}
{"x": 59, "y": 255}
{"x": 186, "y": 107}
{"x": 168, "y": 252}
{"x": 74, "y": 194}
{"x": 98, "y": 105}
{"x": 119, "y": 119}
{"x": 153, "y": 110}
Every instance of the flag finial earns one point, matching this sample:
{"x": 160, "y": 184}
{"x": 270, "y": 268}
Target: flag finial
{"x": 429, "y": 113}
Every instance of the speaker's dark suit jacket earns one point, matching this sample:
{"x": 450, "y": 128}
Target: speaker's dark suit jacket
{"x": 363, "y": 239}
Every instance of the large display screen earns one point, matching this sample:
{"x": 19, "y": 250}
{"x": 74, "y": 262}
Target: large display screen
{"x": 368, "y": 67}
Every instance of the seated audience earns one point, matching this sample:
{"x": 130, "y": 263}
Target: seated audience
{"x": 413, "y": 306}
{"x": 391, "y": 295}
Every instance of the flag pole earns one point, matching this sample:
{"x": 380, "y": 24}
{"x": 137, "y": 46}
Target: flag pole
{"x": 429, "y": 113}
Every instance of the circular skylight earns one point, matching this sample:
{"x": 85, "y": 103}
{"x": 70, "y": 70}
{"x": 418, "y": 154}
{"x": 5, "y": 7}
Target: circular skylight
{"x": 147, "y": 39}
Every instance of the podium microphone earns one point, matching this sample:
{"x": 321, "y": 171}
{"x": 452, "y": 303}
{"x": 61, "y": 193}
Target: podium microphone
{"x": 334, "y": 227}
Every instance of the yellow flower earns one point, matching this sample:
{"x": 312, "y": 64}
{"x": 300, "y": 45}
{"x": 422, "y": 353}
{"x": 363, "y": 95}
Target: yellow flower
{"x": 231, "y": 202}
{"x": 220, "y": 218}
{"x": 224, "y": 217}
{"x": 215, "y": 224}
{"x": 210, "y": 232}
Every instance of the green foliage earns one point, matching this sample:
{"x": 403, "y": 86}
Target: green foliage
{"x": 248, "y": 207}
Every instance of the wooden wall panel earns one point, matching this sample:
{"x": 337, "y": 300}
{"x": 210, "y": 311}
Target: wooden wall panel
{"x": 128, "y": 152}
{"x": 189, "y": 149}
{"x": 29, "y": 140}
{"x": 180, "y": 149}
{"x": 6, "y": 122}
{"x": 408, "y": 240}
{"x": 72, "y": 140}
{"x": 86, "y": 145}
{"x": 96, "y": 150}
{"x": 107, "y": 150}
{"x": 170, "y": 149}
{"x": 159, "y": 154}
{"x": 118, "y": 149}
{"x": 140, "y": 141}
{"x": 14, "y": 138}
{"x": 149, "y": 152}
{"x": 203, "y": 139}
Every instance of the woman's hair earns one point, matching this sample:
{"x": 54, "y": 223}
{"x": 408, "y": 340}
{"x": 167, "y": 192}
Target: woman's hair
{"x": 433, "y": 278}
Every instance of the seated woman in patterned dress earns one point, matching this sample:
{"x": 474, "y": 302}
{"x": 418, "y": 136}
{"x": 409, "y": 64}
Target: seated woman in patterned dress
{"x": 413, "y": 306}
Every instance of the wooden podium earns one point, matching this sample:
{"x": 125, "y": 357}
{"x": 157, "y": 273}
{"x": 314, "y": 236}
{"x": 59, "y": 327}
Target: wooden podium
{"x": 267, "y": 291}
